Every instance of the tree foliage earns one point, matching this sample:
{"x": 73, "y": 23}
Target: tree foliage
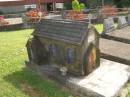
{"x": 122, "y": 3}
{"x": 95, "y": 3}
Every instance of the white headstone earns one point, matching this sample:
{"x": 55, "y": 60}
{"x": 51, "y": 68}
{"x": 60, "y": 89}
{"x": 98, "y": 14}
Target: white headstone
{"x": 122, "y": 22}
{"x": 129, "y": 19}
{"x": 108, "y": 25}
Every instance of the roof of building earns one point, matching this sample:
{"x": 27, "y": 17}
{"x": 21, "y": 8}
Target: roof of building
{"x": 67, "y": 31}
{"x": 25, "y": 2}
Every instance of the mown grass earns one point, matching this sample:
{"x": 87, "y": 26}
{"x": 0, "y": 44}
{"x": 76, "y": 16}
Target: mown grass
{"x": 15, "y": 79}
{"x": 99, "y": 28}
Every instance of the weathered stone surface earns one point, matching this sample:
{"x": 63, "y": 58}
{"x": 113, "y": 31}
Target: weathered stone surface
{"x": 13, "y": 24}
{"x": 52, "y": 16}
{"x": 108, "y": 25}
{"x": 129, "y": 19}
{"x": 114, "y": 50}
{"x": 63, "y": 30}
{"x": 14, "y": 21}
{"x": 73, "y": 45}
{"x": 122, "y": 22}
{"x": 106, "y": 81}
{"x": 122, "y": 35}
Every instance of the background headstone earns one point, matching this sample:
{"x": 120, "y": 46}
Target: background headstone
{"x": 122, "y": 22}
{"x": 108, "y": 25}
{"x": 129, "y": 19}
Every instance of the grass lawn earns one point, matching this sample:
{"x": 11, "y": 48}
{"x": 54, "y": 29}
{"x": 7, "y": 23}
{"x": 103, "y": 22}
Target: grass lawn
{"x": 15, "y": 79}
{"x": 99, "y": 28}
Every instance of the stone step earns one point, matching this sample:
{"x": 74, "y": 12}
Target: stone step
{"x": 115, "y": 51}
{"x": 105, "y": 81}
{"x": 122, "y": 35}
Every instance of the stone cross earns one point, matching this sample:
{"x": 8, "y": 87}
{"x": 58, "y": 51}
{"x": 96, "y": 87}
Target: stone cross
{"x": 122, "y": 22}
{"x": 108, "y": 25}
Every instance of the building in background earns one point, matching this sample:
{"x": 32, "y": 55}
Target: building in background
{"x": 14, "y": 6}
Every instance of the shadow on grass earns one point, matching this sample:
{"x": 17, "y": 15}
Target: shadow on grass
{"x": 35, "y": 86}
{"x": 11, "y": 31}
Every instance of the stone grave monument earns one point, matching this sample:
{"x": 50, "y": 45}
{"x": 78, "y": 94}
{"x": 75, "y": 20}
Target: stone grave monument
{"x": 69, "y": 45}
{"x": 129, "y": 19}
{"x": 122, "y": 22}
{"x": 121, "y": 34}
{"x": 67, "y": 51}
{"x": 114, "y": 44}
{"x": 108, "y": 25}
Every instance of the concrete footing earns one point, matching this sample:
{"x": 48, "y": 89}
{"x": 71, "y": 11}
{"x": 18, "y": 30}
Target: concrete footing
{"x": 105, "y": 81}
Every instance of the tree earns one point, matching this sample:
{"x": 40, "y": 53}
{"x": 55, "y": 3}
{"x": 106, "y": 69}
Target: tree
{"x": 77, "y": 6}
{"x": 68, "y": 5}
{"x": 118, "y": 3}
{"x": 122, "y": 3}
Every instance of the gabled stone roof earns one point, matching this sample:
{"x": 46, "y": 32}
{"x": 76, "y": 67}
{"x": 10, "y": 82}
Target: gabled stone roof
{"x": 67, "y": 31}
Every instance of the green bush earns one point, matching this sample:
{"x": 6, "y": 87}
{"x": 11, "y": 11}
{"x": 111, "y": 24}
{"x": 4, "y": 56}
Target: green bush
{"x": 76, "y": 6}
{"x": 82, "y": 6}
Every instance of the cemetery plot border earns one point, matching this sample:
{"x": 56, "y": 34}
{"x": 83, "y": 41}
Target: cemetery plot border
{"x": 92, "y": 85}
{"x": 115, "y": 51}
{"x": 121, "y": 34}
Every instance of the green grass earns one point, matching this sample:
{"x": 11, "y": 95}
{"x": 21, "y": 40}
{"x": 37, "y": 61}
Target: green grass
{"x": 99, "y": 28}
{"x": 15, "y": 79}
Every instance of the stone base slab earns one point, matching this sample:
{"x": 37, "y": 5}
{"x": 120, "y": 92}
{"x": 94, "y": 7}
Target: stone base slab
{"x": 105, "y": 81}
